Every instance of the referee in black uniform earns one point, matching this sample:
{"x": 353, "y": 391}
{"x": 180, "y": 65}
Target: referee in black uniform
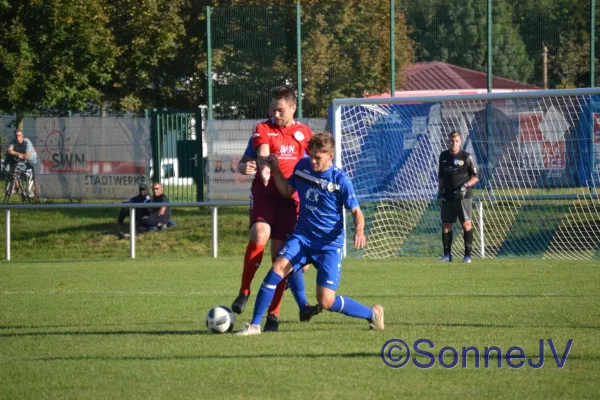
{"x": 457, "y": 173}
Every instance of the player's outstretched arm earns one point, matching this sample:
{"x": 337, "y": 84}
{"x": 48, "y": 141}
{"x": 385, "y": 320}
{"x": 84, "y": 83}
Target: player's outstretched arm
{"x": 359, "y": 226}
{"x": 263, "y": 153}
{"x": 284, "y": 188}
{"x": 246, "y": 166}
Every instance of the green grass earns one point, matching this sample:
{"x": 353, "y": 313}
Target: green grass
{"x": 69, "y": 234}
{"x": 129, "y": 329}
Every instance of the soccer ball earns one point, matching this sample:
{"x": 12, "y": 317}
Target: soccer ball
{"x": 220, "y": 319}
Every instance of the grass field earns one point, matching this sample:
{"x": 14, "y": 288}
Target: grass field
{"x": 129, "y": 329}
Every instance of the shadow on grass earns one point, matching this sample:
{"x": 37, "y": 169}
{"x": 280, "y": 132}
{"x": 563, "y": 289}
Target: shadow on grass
{"x": 484, "y": 360}
{"x": 103, "y": 228}
{"x": 208, "y": 357}
{"x": 107, "y": 333}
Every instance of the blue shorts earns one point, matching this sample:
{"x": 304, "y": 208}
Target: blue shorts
{"x": 328, "y": 262}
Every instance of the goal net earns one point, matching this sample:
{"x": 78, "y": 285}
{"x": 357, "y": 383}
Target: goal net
{"x": 539, "y": 157}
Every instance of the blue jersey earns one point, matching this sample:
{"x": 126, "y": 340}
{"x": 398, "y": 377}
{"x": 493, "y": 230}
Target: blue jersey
{"x": 250, "y": 151}
{"x": 322, "y": 197}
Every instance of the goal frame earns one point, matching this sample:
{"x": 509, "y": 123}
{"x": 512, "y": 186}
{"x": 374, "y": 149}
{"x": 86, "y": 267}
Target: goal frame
{"x": 339, "y": 103}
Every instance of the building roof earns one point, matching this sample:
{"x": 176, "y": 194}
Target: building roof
{"x": 443, "y": 77}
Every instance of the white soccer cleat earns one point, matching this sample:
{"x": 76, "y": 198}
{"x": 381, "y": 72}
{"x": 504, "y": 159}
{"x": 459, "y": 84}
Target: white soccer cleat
{"x": 249, "y": 330}
{"x": 377, "y": 322}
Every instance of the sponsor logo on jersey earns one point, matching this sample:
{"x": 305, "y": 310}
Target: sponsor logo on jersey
{"x": 299, "y": 136}
{"x": 332, "y": 187}
{"x": 312, "y": 195}
{"x": 272, "y": 134}
{"x": 287, "y": 151}
{"x": 460, "y": 163}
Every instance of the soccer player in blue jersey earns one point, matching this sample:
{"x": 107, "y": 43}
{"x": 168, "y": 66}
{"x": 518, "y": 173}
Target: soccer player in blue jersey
{"x": 318, "y": 238}
{"x": 295, "y": 282}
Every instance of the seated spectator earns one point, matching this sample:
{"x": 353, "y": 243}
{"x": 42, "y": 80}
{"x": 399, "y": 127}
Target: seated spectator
{"x": 141, "y": 197}
{"x": 159, "y": 217}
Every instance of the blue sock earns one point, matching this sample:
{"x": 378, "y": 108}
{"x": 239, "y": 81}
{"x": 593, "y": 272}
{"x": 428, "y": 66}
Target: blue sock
{"x": 265, "y": 295}
{"x": 351, "y": 307}
{"x": 295, "y": 282}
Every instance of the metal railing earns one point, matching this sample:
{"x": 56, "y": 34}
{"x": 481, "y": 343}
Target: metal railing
{"x": 132, "y": 232}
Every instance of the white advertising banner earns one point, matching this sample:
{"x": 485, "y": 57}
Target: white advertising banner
{"x": 90, "y": 157}
{"x": 226, "y": 142}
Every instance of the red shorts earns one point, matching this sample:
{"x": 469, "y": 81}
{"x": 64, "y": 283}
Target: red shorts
{"x": 281, "y": 214}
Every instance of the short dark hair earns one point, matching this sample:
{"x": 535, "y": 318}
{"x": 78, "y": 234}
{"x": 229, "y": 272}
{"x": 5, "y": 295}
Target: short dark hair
{"x": 143, "y": 186}
{"x": 454, "y": 133}
{"x": 284, "y": 92}
{"x": 322, "y": 142}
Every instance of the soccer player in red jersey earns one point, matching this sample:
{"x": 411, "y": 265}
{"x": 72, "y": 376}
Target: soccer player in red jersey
{"x": 271, "y": 215}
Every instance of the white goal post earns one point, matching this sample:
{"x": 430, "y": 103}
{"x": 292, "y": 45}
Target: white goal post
{"x": 539, "y": 156}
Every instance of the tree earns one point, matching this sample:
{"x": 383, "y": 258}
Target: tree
{"x": 345, "y": 52}
{"x": 563, "y": 27}
{"x": 456, "y": 33}
{"x": 55, "y": 55}
{"x": 149, "y": 35}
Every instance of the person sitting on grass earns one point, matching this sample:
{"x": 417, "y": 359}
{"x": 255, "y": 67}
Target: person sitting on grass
{"x": 141, "y": 197}
{"x": 158, "y": 218}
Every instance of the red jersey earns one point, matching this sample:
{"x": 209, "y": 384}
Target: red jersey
{"x": 288, "y": 144}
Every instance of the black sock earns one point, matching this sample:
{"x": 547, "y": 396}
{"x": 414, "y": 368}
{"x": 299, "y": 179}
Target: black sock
{"x": 468, "y": 236}
{"x": 447, "y": 242}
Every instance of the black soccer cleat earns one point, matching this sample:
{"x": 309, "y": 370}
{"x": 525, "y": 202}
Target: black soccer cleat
{"x": 239, "y": 304}
{"x": 272, "y": 324}
{"x": 310, "y": 311}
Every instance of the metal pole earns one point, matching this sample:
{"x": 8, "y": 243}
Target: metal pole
{"x": 209, "y": 63}
{"x": 299, "y": 57}
{"x": 215, "y": 234}
{"x": 7, "y": 230}
{"x": 132, "y": 233}
{"x": 488, "y": 106}
{"x": 593, "y": 43}
{"x": 489, "y": 46}
{"x": 392, "y": 48}
{"x": 481, "y": 236}
{"x": 545, "y": 67}
{"x": 337, "y": 134}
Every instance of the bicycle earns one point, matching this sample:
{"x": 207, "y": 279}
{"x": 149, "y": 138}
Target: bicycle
{"x": 19, "y": 180}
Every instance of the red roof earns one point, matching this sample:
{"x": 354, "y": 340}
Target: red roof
{"x": 443, "y": 76}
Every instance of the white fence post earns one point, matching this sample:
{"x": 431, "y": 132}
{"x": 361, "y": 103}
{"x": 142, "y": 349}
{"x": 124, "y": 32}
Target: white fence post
{"x": 481, "y": 237}
{"x": 215, "y": 234}
{"x": 132, "y": 232}
{"x": 7, "y": 230}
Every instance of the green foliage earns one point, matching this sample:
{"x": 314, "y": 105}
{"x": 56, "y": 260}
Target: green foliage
{"x": 125, "y": 55}
{"x": 456, "y": 33}
{"x": 346, "y": 51}
{"x": 55, "y": 55}
{"x": 149, "y": 35}
{"x": 563, "y": 27}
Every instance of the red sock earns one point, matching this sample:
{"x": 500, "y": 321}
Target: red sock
{"x": 252, "y": 260}
{"x": 277, "y": 297}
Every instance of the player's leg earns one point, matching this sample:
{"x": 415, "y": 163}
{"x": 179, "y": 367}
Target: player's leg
{"x": 272, "y": 323}
{"x": 285, "y": 216}
{"x": 282, "y": 266}
{"x": 124, "y": 213}
{"x": 465, "y": 216}
{"x": 448, "y": 218}
{"x": 261, "y": 216}
{"x": 329, "y": 270}
{"x": 295, "y": 282}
